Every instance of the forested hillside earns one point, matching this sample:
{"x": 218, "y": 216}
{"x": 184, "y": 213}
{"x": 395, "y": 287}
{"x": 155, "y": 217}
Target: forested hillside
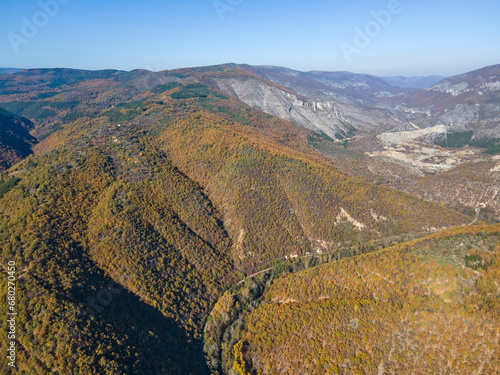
{"x": 15, "y": 140}
{"x": 147, "y": 198}
{"x": 427, "y": 306}
{"x": 99, "y": 293}
{"x": 474, "y": 184}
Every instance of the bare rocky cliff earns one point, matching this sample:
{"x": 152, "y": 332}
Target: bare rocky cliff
{"x": 338, "y": 120}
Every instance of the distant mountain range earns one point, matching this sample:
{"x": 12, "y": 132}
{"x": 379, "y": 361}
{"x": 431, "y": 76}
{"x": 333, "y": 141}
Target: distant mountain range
{"x": 416, "y": 82}
{"x": 456, "y": 111}
{"x": 419, "y": 83}
{"x": 342, "y": 86}
{"x": 331, "y": 111}
{"x": 407, "y": 309}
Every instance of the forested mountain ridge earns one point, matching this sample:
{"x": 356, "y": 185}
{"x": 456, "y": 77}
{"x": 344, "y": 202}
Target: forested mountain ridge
{"x": 148, "y": 196}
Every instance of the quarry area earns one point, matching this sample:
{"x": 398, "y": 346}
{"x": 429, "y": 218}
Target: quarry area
{"x": 414, "y": 148}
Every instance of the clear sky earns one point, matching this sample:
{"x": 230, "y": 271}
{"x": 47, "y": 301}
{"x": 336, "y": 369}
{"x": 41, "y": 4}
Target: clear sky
{"x": 419, "y": 37}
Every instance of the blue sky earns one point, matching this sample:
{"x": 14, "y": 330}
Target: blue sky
{"x": 419, "y": 37}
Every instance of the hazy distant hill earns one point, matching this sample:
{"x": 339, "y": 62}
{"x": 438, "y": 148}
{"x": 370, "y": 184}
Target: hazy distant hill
{"x": 427, "y": 306}
{"x": 416, "y": 82}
